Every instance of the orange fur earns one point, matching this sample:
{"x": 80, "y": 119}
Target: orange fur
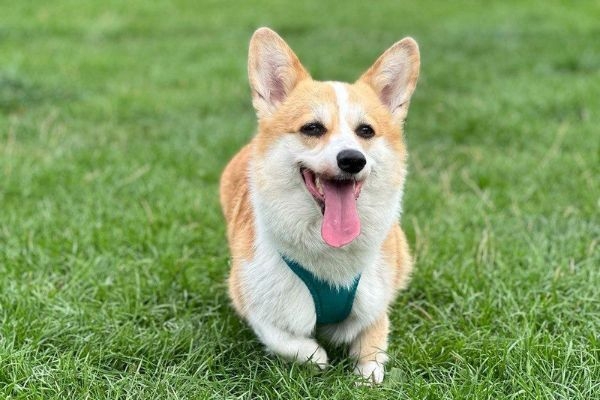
{"x": 395, "y": 249}
{"x": 372, "y": 342}
{"x": 237, "y": 209}
{"x": 295, "y": 112}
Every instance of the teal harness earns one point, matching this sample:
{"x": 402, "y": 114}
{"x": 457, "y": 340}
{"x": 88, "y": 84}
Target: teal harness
{"x": 332, "y": 304}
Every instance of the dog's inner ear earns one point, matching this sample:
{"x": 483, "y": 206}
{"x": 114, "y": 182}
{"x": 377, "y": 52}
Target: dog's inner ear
{"x": 394, "y": 77}
{"x": 273, "y": 69}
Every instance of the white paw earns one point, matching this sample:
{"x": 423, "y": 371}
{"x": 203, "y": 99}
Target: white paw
{"x": 317, "y": 357}
{"x": 372, "y": 371}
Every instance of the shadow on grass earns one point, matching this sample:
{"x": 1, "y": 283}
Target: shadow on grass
{"x": 18, "y": 93}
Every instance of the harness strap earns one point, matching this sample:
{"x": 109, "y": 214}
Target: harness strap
{"x": 332, "y": 304}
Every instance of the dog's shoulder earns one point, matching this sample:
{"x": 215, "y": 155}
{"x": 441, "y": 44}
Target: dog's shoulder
{"x": 236, "y": 204}
{"x": 234, "y": 182}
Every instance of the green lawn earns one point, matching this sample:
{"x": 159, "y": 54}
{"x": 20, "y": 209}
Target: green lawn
{"x": 116, "y": 119}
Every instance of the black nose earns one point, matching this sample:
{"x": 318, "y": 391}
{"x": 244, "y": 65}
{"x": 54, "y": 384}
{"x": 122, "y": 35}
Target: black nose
{"x": 351, "y": 161}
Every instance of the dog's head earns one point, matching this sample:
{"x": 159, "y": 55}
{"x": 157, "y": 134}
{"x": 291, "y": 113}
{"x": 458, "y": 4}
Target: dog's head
{"x": 329, "y": 155}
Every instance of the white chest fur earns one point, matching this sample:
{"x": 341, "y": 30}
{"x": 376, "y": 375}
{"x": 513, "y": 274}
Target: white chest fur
{"x": 274, "y": 293}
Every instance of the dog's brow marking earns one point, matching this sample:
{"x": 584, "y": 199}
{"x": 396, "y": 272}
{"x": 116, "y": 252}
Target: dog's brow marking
{"x": 343, "y": 105}
{"x": 341, "y": 96}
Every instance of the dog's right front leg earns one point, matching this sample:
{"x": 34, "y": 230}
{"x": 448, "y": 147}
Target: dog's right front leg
{"x": 288, "y": 345}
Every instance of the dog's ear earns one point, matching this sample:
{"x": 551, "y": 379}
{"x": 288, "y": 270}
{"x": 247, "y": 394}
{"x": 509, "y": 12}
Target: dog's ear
{"x": 394, "y": 76}
{"x": 273, "y": 69}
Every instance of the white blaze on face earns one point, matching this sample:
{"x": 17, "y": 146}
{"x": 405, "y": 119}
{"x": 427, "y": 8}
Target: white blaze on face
{"x": 341, "y": 222}
{"x": 323, "y": 159}
{"x": 349, "y": 116}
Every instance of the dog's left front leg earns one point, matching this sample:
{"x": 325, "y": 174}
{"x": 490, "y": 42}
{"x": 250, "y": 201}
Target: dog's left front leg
{"x": 290, "y": 346}
{"x": 369, "y": 348}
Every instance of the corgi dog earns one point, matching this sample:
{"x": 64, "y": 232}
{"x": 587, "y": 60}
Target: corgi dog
{"x": 312, "y": 205}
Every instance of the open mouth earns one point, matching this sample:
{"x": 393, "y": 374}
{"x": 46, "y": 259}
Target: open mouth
{"x": 337, "y": 199}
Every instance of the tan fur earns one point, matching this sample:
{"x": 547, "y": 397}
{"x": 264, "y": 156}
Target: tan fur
{"x": 295, "y": 112}
{"x": 380, "y": 115}
{"x": 264, "y": 55}
{"x": 373, "y": 341}
{"x": 237, "y": 209}
{"x": 402, "y": 57}
{"x": 395, "y": 249}
{"x": 371, "y": 344}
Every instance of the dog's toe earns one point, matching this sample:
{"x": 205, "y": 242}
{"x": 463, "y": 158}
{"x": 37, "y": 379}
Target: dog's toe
{"x": 319, "y": 358}
{"x": 372, "y": 371}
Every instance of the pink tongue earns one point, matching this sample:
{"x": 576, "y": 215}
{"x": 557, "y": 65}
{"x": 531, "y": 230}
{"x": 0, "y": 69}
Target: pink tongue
{"x": 341, "y": 224}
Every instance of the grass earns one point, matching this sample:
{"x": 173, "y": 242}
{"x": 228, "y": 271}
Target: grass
{"x": 116, "y": 119}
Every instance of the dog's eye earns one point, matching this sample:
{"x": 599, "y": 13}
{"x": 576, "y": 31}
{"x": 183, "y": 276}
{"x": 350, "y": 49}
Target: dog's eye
{"x": 365, "y": 131}
{"x": 313, "y": 129}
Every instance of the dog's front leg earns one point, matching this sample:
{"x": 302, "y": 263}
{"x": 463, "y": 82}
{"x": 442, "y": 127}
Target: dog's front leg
{"x": 288, "y": 345}
{"x": 369, "y": 349}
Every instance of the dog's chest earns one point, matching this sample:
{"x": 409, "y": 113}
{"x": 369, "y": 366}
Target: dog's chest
{"x": 275, "y": 293}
